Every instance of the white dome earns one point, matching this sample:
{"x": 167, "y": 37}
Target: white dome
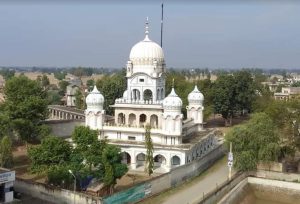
{"x": 196, "y": 97}
{"x": 95, "y": 100}
{"x": 147, "y": 51}
{"x": 172, "y": 102}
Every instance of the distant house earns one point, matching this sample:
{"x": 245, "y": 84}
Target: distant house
{"x": 72, "y": 88}
{"x": 287, "y": 93}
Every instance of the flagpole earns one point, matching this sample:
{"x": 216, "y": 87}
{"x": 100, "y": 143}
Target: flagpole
{"x": 161, "y": 24}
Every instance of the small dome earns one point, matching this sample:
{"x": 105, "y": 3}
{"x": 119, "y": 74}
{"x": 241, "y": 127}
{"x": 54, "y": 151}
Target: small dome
{"x": 95, "y": 100}
{"x": 196, "y": 97}
{"x": 172, "y": 101}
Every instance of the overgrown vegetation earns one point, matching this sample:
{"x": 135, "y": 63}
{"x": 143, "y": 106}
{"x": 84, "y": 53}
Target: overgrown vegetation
{"x": 89, "y": 158}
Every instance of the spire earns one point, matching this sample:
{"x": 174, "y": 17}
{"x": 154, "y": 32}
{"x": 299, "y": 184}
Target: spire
{"x": 147, "y": 30}
{"x": 95, "y": 90}
{"x": 173, "y": 83}
{"x": 196, "y": 89}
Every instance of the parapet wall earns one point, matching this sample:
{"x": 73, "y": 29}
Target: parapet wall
{"x": 53, "y": 194}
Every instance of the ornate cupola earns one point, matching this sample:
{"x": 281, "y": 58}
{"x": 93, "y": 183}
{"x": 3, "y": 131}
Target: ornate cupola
{"x": 196, "y": 97}
{"x": 195, "y": 107}
{"x": 94, "y": 113}
{"x": 172, "y": 103}
{"x": 172, "y": 116}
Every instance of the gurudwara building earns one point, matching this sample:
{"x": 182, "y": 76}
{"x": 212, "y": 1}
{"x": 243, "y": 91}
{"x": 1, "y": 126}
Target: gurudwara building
{"x": 176, "y": 141}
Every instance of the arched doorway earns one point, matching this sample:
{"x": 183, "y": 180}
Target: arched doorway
{"x": 148, "y": 96}
{"x": 126, "y": 158}
{"x": 159, "y": 161}
{"x": 121, "y": 118}
{"x": 154, "y": 121}
{"x": 140, "y": 159}
{"x": 143, "y": 119}
{"x": 132, "y": 119}
{"x": 136, "y": 95}
{"x": 175, "y": 161}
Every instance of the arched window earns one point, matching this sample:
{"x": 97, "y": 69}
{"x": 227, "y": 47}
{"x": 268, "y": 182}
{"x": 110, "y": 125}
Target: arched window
{"x": 126, "y": 158}
{"x": 132, "y": 119}
{"x": 154, "y": 121}
{"x": 143, "y": 118}
{"x": 160, "y": 160}
{"x": 148, "y": 95}
{"x": 175, "y": 160}
{"x": 162, "y": 93}
{"x": 158, "y": 96}
{"x": 121, "y": 118}
{"x": 141, "y": 157}
{"x": 135, "y": 95}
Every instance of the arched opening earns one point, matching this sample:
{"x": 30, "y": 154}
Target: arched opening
{"x": 143, "y": 119}
{"x": 162, "y": 93}
{"x": 175, "y": 161}
{"x": 136, "y": 95}
{"x": 154, "y": 121}
{"x": 159, "y": 160}
{"x": 140, "y": 159}
{"x": 132, "y": 119}
{"x": 148, "y": 96}
{"x": 158, "y": 94}
{"x": 126, "y": 158}
{"x": 121, "y": 118}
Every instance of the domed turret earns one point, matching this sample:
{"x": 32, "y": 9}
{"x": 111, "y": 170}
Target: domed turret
{"x": 195, "y": 107}
{"x": 172, "y": 102}
{"x": 196, "y": 97}
{"x": 94, "y": 100}
{"x": 146, "y": 56}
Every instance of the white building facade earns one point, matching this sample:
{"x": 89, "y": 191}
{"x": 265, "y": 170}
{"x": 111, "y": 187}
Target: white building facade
{"x": 176, "y": 141}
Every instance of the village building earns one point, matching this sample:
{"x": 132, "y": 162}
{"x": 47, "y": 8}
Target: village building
{"x": 287, "y": 93}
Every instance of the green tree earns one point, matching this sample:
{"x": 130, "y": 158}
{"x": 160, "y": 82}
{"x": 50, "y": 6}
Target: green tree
{"x": 7, "y": 73}
{"x": 44, "y": 81}
{"x": 60, "y": 75}
{"x": 63, "y": 87}
{"x": 88, "y": 147}
{"x": 149, "y": 146}
{"x": 79, "y": 100}
{"x": 112, "y": 87}
{"x": 6, "y": 156}
{"x": 113, "y": 168}
{"x": 26, "y": 106}
{"x": 224, "y": 94}
{"x": 244, "y": 90}
{"x": 53, "y": 151}
{"x": 90, "y": 83}
{"x": 254, "y": 141}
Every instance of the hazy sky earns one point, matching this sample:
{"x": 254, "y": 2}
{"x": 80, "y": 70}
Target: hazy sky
{"x": 213, "y": 35}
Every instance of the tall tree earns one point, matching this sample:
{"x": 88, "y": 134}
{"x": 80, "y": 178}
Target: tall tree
{"x": 114, "y": 169}
{"x": 254, "y": 141}
{"x": 6, "y": 156}
{"x": 149, "y": 147}
{"x": 224, "y": 97}
{"x": 26, "y": 106}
